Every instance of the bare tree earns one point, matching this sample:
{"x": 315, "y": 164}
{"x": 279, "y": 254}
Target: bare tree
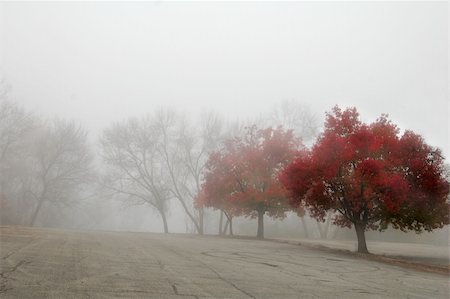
{"x": 15, "y": 124}
{"x": 4, "y": 89}
{"x": 197, "y": 142}
{"x": 292, "y": 115}
{"x": 324, "y": 228}
{"x": 185, "y": 147}
{"x": 135, "y": 167}
{"x": 59, "y": 166}
{"x": 16, "y": 127}
{"x": 295, "y": 116}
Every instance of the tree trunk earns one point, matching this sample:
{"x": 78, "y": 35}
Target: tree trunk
{"x": 164, "y": 219}
{"x": 38, "y": 208}
{"x": 260, "y": 233}
{"x": 220, "y": 223}
{"x": 327, "y": 226}
{"x": 305, "y": 228}
{"x": 200, "y": 221}
{"x": 360, "y": 234}
{"x": 225, "y": 228}
{"x": 190, "y": 215}
{"x": 231, "y": 226}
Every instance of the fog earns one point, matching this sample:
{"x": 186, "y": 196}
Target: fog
{"x": 98, "y": 64}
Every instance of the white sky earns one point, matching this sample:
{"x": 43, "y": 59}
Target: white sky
{"x": 100, "y": 62}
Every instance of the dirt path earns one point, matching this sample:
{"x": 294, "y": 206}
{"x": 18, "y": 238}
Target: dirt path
{"x": 40, "y": 263}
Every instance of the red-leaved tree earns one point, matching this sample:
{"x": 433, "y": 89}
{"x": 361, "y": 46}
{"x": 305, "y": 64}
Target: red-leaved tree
{"x": 371, "y": 175}
{"x": 242, "y": 178}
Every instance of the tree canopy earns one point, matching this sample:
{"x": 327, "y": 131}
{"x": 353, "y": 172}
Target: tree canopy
{"x": 242, "y": 177}
{"x": 371, "y": 175}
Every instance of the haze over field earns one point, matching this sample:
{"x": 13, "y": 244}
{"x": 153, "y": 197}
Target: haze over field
{"x": 100, "y": 62}
{"x": 103, "y": 62}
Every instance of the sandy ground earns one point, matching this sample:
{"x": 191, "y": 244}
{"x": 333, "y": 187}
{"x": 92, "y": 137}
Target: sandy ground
{"x": 43, "y": 263}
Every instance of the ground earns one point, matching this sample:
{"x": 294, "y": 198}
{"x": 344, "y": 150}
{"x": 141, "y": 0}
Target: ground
{"x": 44, "y": 263}
{"x": 425, "y": 254}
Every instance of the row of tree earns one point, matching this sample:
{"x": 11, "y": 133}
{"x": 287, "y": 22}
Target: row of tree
{"x": 47, "y": 167}
{"x": 163, "y": 156}
{"x": 158, "y": 158}
{"x": 365, "y": 175}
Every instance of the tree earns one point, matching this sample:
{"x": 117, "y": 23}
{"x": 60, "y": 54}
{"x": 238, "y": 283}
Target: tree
{"x": 215, "y": 192}
{"x": 135, "y": 167}
{"x": 4, "y": 89}
{"x": 16, "y": 129}
{"x": 59, "y": 166}
{"x": 42, "y": 164}
{"x": 292, "y": 115}
{"x": 295, "y": 116}
{"x": 160, "y": 157}
{"x": 184, "y": 148}
{"x": 371, "y": 176}
{"x": 241, "y": 178}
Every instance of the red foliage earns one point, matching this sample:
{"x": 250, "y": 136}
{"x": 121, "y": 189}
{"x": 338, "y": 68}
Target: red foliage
{"x": 370, "y": 175}
{"x": 242, "y": 178}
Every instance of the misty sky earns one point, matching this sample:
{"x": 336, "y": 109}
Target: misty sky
{"x": 101, "y": 62}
